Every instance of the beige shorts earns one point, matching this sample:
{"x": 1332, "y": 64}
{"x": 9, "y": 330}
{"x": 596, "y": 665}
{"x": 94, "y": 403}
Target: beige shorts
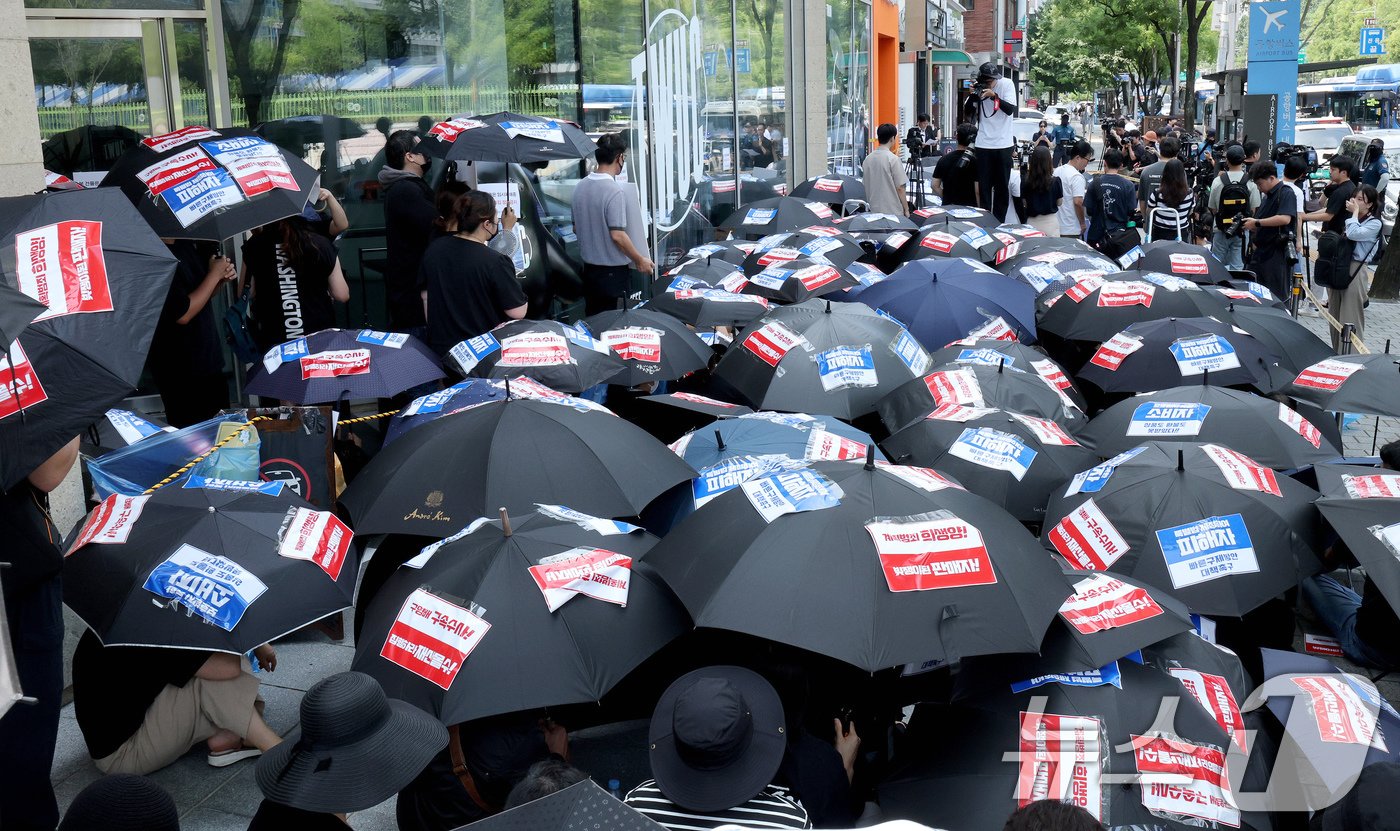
{"x": 182, "y": 716}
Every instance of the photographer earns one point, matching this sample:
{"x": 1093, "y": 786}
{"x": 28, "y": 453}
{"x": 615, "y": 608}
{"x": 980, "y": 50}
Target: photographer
{"x": 1232, "y": 198}
{"x": 1272, "y": 226}
{"x": 923, "y": 139}
{"x": 1205, "y": 153}
{"x": 955, "y": 175}
{"x": 992, "y": 107}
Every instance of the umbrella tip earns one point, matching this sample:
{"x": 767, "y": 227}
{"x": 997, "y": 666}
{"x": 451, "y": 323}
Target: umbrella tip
{"x": 828, "y": 307}
{"x": 1001, "y": 366}
{"x": 719, "y": 439}
{"x": 505, "y": 522}
{"x": 1180, "y": 459}
{"x": 870, "y": 457}
{"x": 1205, "y": 377}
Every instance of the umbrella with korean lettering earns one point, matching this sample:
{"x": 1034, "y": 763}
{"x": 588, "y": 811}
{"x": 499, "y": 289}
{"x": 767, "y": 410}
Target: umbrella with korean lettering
{"x": 715, "y": 196}
{"x": 1048, "y": 270}
{"x": 831, "y": 188}
{"x": 211, "y": 564}
{"x": 206, "y": 184}
{"x": 935, "y": 215}
{"x": 1014, "y": 460}
{"x": 1268, "y": 431}
{"x": 1296, "y": 346}
{"x": 435, "y": 405}
{"x": 1157, "y": 354}
{"x": 821, "y": 357}
{"x": 699, "y": 272}
{"x": 952, "y": 239}
{"x": 1097, "y": 309}
{"x": 1024, "y": 242}
{"x": 754, "y": 220}
{"x": 118, "y": 428}
{"x": 102, "y": 278}
{"x": 730, "y": 250}
{"x": 873, "y": 564}
{"x": 1366, "y": 384}
{"x": 1089, "y": 738}
{"x": 1248, "y": 293}
{"x": 547, "y": 608}
{"x": 17, "y": 310}
{"x": 705, "y": 308}
{"x": 794, "y": 281}
{"x": 1219, "y": 530}
{"x": 816, "y": 244}
{"x": 653, "y": 345}
{"x": 870, "y": 225}
{"x": 941, "y": 300}
{"x": 326, "y": 366}
{"x": 994, "y": 352}
{"x": 511, "y": 454}
{"x": 1363, "y": 506}
{"x": 1193, "y": 262}
{"x": 564, "y": 357}
{"x": 507, "y": 137}
{"x": 1004, "y": 386}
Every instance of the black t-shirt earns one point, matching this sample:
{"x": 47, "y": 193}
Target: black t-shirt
{"x": 114, "y": 686}
{"x": 1377, "y": 624}
{"x": 180, "y": 351}
{"x": 408, "y": 225}
{"x": 1042, "y": 202}
{"x": 31, "y": 542}
{"x": 958, "y": 173}
{"x": 1110, "y": 202}
{"x": 1277, "y": 202}
{"x": 289, "y": 299}
{"x": 469, "y": 288}
{"x": 813, "y": 771}
{"x": 1337, "y": 196}
{"x": 274, "y": 816}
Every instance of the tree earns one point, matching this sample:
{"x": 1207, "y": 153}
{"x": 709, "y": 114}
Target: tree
{"x": 1196, "y": 13}
{"x": 257, "y": 64}
{"x": 763, "y": 14}
{"x": 1386, "y": 285}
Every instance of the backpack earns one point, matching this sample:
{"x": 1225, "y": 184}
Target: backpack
{"x": 1334, "y": 268}
{"x": 1234, "y": 200}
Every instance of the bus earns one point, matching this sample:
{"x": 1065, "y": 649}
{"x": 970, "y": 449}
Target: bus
{"x": 1369, "y": 100}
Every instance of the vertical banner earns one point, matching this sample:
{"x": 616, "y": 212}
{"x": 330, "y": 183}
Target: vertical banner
{"x": 1273, "y": 62}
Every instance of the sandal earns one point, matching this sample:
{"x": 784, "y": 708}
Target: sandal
{"x": 224, "y": 758}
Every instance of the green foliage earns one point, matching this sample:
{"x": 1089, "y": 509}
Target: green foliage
{"x": 1332, "y": 28}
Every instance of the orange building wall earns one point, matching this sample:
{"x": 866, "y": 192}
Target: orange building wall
{"x": 884, "y": 63}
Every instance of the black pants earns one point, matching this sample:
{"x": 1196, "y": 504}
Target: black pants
{"x": 604, "y": 286}
{"x": 993, "y": 176}
{"x": 1271, "y": 269}
{"x": 194, "y": 398}
{"x": 29, "y": 732}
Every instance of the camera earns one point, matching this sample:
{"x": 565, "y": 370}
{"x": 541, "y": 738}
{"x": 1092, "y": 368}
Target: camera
{"x": 1284, "y": 151}
{"x": 1236, "y": 226}
{"x": 915, "y": 142}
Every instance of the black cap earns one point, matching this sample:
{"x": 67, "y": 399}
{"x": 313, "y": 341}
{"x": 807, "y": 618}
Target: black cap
{"x": 988, "y": 70}
{"x": 1234, "y": 154}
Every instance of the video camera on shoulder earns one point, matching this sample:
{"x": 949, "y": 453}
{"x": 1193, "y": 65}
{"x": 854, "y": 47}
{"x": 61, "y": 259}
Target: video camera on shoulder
{"x": 1284, "y": 151}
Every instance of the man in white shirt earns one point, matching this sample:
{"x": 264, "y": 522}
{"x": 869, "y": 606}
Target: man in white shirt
{"x": 883, "y": 175}
{"x": 992, "y": 107}
{"x": 1071, "y": 175}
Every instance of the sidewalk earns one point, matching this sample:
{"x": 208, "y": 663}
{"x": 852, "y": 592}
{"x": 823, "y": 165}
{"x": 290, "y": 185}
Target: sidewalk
{"x": 1382, "y": 325}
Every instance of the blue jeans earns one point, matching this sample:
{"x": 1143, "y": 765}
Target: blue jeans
{"x": 1227, "y": 250}
{"x": 1336, "y": 605}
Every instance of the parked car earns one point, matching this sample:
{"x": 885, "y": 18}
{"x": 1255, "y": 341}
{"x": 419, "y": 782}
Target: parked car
{"x": 1354, "y": 147}
{"x": 1323, "y": 137}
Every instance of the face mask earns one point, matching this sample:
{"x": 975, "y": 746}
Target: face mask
{"x": 427, "y": 165}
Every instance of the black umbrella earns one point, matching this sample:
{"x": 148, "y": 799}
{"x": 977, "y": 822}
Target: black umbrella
{"x": 831, "y": 188}
{"x": 295, "y": 132}
{"x": 1296, "y": 346}
{"x": 545, "y": 609}
{"x": 335, "y": 364}
{"x": 952, "y": 239}
{"x": 772, "y": 216}
{"x": 507, "y": 137}
{"x": 1248, "y": 293}
{"x": 935, "y": 215}
{"x": 821, "y": 357}
{"x": 88, "y": 149}
{"x": 510, "y": 453}
{"x": 794, "y": 281}
{"x": 448, "y": 400}
{"x": 561, "y": 356}
{"x": 1363, "y": 506}
{"x": 705, "y": 308}
{"x": 701, "y": 404}
{"x": 1366, "y": 384}
{"x": 1056, "y": 269}
{"x": 730, "y": 250}
{"x": 879, "y": 565}
{"x": 1193, "y": 262}
{"x": 1265, "y": 430}
{"x": 715, "y": 198}
{"x": 204, "y": 184}
{"x": 216, "y": 565}
{"x": 579, "y": 807}
{"x": 1024, "y": 242}
{"x": 797, "y": 436}
{"x": 1224, "y": 532}
{"x": 118, "y": 428}
{"x": 869, "y": 223}
{"x": 840, "y": 249}
{"x": 653, "y": 345}
{"x": 1012, "y": 459}
{"x": 57, "y": 181}
{"x": 1158, "y": 354}
{"x": 993, "y": 353}
{"x": 972, "y": 385}
{"x": 700, "y": 272}
{"x": 91, "y": 259}
{"x": 17, "y": 310}
{"x": 1096, "y": 311}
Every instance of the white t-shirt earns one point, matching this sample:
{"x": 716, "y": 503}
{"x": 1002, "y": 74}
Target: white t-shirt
{"x": 1074, "y": 185}
{"x": 994, "y": 130}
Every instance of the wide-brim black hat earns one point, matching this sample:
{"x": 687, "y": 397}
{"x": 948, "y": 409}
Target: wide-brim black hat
{"x": 354, "y": 749}
{"x": 735, "y": 776}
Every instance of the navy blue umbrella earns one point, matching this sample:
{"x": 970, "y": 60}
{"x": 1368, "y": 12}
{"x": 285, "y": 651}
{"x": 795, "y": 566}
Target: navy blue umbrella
{"x": 942, "y": 300}
{"x": 344, "y": 363}
{"x": 435, "y": 405}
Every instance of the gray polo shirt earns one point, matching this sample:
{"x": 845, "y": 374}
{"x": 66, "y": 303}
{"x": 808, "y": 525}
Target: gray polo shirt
{"x": 599, "y": 209}
{"x": 883, "y": 175}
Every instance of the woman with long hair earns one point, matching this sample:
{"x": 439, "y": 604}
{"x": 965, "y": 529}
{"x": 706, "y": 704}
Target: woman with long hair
{"x": 1363, "y": 227}
{"x": 1170, "y": 206}
{"x": 1037, "y": 196}
{"x": 295, "y": 277}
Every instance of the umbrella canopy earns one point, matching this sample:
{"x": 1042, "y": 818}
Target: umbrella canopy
{"x": 1366, "y": 384}
{"x": 335, "y": 364}
{"x": 994, "y": 352}
{"x": 653, "y": 345}
{"x": 705, "y": 308}
{"x": 1097, "y": 310}
{"x": 777, "y": 215}
{"x": 699, "y": 272}
{"x": 57, "y": 181}
{"x": 1192, "y": 262}
{"x": 103, "y": 277}
{"x": 875, "y": 565}
{"x": 1223, "y": 531}
{"x": 942, "y": 300}
{"x": 820, "y": 244}
{"x": 1295, "y": 344}
{"x": 435, "y": 405}
{"x": 821, "y": 357}
{"x": 937, "y": 215}
{"x": 952, "y": 239}
{"x": 510, "y": 454}
{"x": 551, "y": 608}
{"x": 576, "y": 808}
{"x": 973, "y": 385}
{"x": 797, "y": 436}
{"x": 1056, "y": 269}
{"x": 1363, "y": 506}
{"x": 1012, "y": 459}
{"x": 1263, "y": 429}
{"x": 1248, "y": 293}
{"x": 716, "y": 197}
{"x": 704, "y": 405}
{"x": 1157, "y": 354}
{"x": 118, "y": 428}
{"x": 869, "y": 223}
{"x": 507, "y": 137}
{"x": 17, "y": 310}
{"x": 794, "y": 281}
{"x": 295, "y": 132}
{"x": 215, "y": 565}
{"x": 563, "y": 357}
{"x": 90, "y": 148}
{"x": 204, "y": 184}
{"x": 730, "y": 250}
{"x": 1024, "y": 242}
{"x": 831, "y": 188}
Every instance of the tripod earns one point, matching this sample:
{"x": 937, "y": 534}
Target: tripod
{"x": 914, "y": 172}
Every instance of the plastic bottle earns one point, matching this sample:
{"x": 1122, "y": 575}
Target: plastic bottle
{"x": 615, "y": 788}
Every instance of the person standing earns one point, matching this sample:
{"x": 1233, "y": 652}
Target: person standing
{"x": 1064, "y": 138}
{"x": 1151, "y": 176}
{"x": 1040, "y": 194}
{"x": 883, "y": 175}
{"x": 186, "y": 358}
{"x": 955, "y": 175}
{"x": 1086, "y": 119}
{"x": 1338, "y": 192}
{"x": 1232, "y": 198}
{"x": 1294, "y": 171}
{"x": 1042, "y": 136}
{"x": 992, "y": 109}
{"x": 1375, "y": 167}
{"x": 1270, "y": 226}
{"x": 1171, "y": 205}
{"x": 1363, "y": 228}
{"x": 296, "y": 275}
{"x": 408, "y": 226}
{"x": 33, "y": 592}
{"x": 1110, "y": 201}
{"x": 1073, "y": 186}
{"x": 600, "y": 222}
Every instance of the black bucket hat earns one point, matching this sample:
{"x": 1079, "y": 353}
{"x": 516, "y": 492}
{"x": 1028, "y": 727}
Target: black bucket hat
{"x": 355, "y": 748}
{"x": 717, "y": 738}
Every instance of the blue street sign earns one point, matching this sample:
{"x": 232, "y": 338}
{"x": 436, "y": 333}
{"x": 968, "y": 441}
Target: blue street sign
{"x": 741, "y": 60}
{"x": 710, "y": 62}
{"x": 1372, "y": 40}
{"x": 1273, "y": 58}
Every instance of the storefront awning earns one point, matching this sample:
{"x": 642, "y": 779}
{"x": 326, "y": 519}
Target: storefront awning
{"x": 952, "y": 57}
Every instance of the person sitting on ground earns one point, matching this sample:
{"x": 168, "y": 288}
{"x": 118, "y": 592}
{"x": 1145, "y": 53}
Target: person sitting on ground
{"x": 818, "y": 772}
{"x": 717, "y": 740}
{"x": 1051, "y": 815}
{"x": 1171, "y": 205}
{"x": 122, "y": 802}
{"x": 354, "y": 749}
{"x": 955, "y": 175}
{"x": 141, "y": 708}
{"x": 1038, "y": 193}
{"x": 550, "y": 776}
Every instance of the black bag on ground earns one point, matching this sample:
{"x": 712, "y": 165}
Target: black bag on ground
{"x": 1117, "y": 243}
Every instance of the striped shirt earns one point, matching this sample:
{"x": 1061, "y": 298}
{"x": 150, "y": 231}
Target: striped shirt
{"x": 772, "y": 808}
{"x": 1168, "y": 225}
